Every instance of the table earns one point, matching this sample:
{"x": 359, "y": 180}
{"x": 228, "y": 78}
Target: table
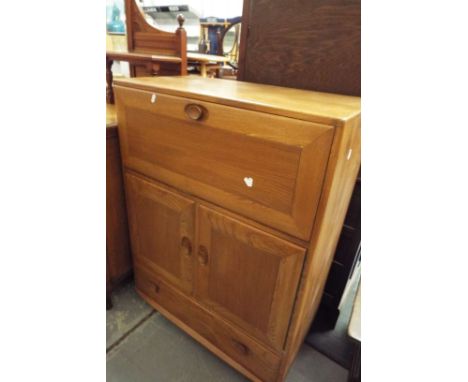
{"x": 205, "y": 61}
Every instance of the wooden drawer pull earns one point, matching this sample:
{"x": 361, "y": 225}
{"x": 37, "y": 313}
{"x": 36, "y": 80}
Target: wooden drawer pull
{"x": 194, "y": 111}
{"x": 203, "y": 255}
{"x": 241, "y": 347}
{"x": 156, "y": 288}
{"x": 187, "y": 245}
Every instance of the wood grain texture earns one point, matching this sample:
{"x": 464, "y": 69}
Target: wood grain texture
{"x": 337, "y": 191}
{"x": 111, "y": 120}
{"x": 295, "y": 103}
{"x": 162, "y": 226}
{"x": 122, "y": 55}
{"x": 200, "y": 157}
{"x": 117, "y": 235}
{"x": 256, "y": 284}
{"x": 314, "y": 44}
{"x": 236, "y": 345}
{"x": 144, "y": 38}
{"x": 249, "y": 277}
{"x": 215, "y": 207}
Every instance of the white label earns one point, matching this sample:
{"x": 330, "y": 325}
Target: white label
{"x": 153, "y": 98}
{"x": 248, "y": 182}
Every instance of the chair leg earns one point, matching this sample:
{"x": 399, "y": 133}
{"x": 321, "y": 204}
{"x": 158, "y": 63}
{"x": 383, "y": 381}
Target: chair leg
{"x": 109, "y": 80}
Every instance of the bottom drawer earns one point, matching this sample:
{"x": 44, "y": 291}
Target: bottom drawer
{"x": 252, "y": 355}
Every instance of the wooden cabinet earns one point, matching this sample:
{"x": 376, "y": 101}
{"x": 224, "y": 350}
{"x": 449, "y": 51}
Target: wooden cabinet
{"x": 314, "y": 44}
{"x": 118, "y": 256}
{"x": 247, "y": 276}
{"x": 236, "y": 194}
{"x": 201, "y": 156}
{"x": 162, "y": 229}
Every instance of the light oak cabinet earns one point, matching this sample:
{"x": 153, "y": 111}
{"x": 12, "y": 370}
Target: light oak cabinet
{"x": 247, "y": 276}
{"x": 285, "y": 158}
{"x": 118, "y": 258}
{"x": 236, "y": 194}
{"x": 162, "y": 231}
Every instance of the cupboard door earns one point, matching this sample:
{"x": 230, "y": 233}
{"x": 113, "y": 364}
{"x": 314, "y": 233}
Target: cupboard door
{"x": 161, "y": 225}
{"x": 267, "y": 167}
{"x": 247, "y": 276}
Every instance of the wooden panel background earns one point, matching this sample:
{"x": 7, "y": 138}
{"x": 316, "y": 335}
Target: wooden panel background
{"x": 306, "y": 44}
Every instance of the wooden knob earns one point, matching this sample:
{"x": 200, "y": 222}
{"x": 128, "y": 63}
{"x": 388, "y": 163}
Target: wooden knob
{"x": 203, "y": 255}
{"x": 187, "y": 245}
{"x": 194, "y": 112}
{"x": 180, "y": 19}
{"x": 241, "y": 347}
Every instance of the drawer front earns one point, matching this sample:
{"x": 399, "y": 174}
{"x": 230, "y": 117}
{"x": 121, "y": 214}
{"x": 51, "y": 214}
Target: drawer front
{"x": 263, "y": 166}
{"x": 252, "y": 355}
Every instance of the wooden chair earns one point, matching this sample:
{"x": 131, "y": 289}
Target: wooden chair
{"x": 144, "y": 38}
{"x": 150, "y": 51}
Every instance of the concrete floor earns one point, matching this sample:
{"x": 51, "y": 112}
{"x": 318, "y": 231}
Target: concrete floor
{"x": 143, "y": 346}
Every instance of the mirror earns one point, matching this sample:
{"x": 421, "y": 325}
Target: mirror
{"x": 231, "y": 42}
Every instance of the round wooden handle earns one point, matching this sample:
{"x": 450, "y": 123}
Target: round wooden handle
{"x": 203, "y": 255}
{"x": 156, "y": 288}
{"x": 194, "y": 112}
{"x": 241, "y": 347}
{"x": 187, "y": 244}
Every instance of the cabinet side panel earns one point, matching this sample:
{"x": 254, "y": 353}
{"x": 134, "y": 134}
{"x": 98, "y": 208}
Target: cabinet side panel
{"x": 341, "y": 175}
{"x": 117, "y": 234}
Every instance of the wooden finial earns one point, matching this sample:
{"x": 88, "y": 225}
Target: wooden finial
{"x": 180, "y": 19}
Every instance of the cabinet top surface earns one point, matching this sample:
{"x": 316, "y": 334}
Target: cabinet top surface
{"x": 296, "y": 103}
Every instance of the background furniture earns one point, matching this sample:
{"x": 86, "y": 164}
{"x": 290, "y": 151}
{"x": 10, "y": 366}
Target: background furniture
{"x": 144, "y": 38}
{"x": 236, "y": 195}
{"x": 314, "y": 44}
{"x": 164, "y": 17}
{"x": 207, "y": 62}
{"x": 210, "y": 28}
{"x": 151, "y": 62}
{"x": 149, "y": 51}
{"x": 229, "y": 43}
{"x": 118, "y": 256}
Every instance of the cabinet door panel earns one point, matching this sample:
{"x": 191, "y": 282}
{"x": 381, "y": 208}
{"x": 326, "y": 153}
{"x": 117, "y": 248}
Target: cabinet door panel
{"x": 267, "y": 167}
{"x": 247, "y": 276}
{"x": 161, "y": 231}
